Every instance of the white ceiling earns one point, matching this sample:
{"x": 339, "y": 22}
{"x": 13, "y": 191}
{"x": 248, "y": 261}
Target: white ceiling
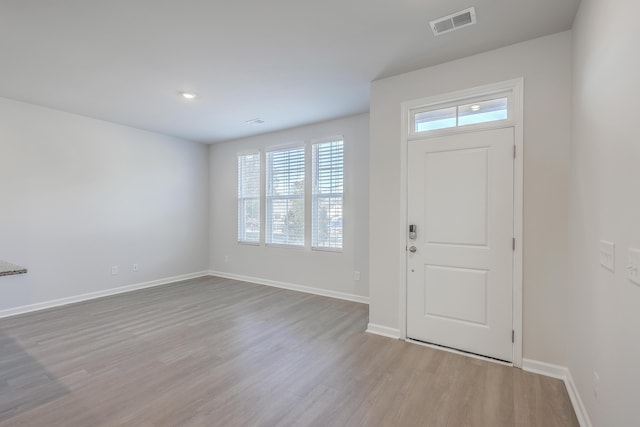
{"x": 288, "y": 62}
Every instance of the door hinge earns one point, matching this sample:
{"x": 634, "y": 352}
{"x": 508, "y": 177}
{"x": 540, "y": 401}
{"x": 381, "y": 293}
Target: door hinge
{"x": 513, "y": 336}
{"x": 514, "y": 244}
{"x": 514, "y": 151}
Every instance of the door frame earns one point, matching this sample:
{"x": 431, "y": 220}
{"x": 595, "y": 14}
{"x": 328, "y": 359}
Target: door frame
{"x": 515, "y": 90}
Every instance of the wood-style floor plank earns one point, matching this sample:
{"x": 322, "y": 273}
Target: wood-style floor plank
{"x": 218, "y": 352}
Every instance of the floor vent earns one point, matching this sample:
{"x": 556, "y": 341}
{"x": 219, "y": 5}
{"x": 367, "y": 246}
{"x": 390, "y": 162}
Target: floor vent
{"x": 454, "y": 21}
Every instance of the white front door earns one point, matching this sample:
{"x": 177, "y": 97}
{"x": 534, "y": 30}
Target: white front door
{"x": 460, "y": 264}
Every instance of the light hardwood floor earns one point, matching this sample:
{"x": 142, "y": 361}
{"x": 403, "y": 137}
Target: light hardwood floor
{"x": 217, "y": 352}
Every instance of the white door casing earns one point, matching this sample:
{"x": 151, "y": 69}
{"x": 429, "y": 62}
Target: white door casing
{"x": 460, "y": 279}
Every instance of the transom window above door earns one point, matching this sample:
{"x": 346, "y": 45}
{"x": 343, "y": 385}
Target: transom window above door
{"x": 464, "y": 113}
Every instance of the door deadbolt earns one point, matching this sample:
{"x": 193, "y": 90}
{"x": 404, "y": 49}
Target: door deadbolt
{"x": 412, "y": 231}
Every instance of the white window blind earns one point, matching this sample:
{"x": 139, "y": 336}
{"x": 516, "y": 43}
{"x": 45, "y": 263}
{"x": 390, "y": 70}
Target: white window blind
{"x": 249, "y": 198}
{"x": 285, "y": 197}
{"x": 328, "y": 186}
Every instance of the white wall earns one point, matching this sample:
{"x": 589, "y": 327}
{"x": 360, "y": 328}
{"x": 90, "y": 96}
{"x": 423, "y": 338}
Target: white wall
{"x": 604, "y": 307}
{"x": 545, "y": 65}
{"x": 324, "y": 270}
{"x": 80, "y": 195}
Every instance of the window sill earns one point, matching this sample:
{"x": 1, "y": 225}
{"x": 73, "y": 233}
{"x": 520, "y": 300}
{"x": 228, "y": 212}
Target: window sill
{"x": 335, "y": 250}
{"x": 8, "y": 269}
{"x": 282, "y": 245}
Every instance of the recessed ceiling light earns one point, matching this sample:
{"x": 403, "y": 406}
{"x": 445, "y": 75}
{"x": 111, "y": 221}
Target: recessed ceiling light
{"x": 188, "y": 95}
{"x": 255, "y": 121}
{"x": 475, "y": 107}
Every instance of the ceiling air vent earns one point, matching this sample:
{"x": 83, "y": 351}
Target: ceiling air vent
{"x": 454, "y": 21}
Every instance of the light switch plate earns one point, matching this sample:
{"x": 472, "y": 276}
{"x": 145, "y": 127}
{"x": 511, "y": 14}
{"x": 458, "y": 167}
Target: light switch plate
{"x": 607, "y": 255}
{"x": 633, "y": 265}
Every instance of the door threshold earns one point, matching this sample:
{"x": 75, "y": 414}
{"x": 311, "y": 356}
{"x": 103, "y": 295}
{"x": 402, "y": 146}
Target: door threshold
{"x": 460, "y": 352}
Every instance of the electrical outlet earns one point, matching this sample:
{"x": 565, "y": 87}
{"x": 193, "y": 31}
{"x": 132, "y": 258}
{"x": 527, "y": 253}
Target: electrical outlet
{"x": 135, "y": 267}
{"x": 356, "y": 275}
{"x": 633, "y": 265}
{"x": 607, "y": 255}
{"x": 596, "y": 385}
{"x": 114, "y": 270}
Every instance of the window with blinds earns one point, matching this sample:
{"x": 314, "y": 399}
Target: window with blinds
{"x": 285, "y": 180}
{"x": 249, "y": 198}
{"x": 328, "y": 186}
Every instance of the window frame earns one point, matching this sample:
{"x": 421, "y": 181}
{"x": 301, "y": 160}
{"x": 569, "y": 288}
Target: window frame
{"x": 316, "y": 196}
{"x": 242, "y": 199}
{"x": 309, "y": 197}
{"x": 509, "y": 121}
{"x": 268, "y": 223}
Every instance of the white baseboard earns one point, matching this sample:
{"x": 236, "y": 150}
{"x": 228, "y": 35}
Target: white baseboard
{"x": 578, "y": 406}
{"x": 99, "y": 294}
{"x": 561, "y": 373}
{"x": 546, "y": 369}
{"x": 292, "y": 287}
{"x": 383, "y": 331}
